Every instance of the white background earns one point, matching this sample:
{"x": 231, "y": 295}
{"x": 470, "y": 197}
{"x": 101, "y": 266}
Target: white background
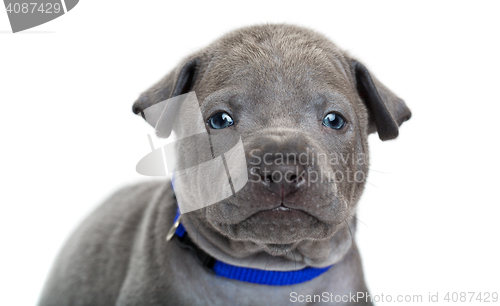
{"x": 68, "y": 137}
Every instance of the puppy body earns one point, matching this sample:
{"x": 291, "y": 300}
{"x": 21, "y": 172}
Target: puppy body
{"x": 278, "y": 82}
{"x": 119, "y": 256}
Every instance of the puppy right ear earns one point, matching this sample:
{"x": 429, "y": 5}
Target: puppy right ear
{"x": 387, "y": 111}
{"x": 177, "y": 82}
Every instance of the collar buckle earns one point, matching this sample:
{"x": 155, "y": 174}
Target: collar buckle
{"x": 172, "y": 230}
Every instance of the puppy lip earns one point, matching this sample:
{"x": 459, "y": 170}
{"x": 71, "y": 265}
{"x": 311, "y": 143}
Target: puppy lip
{"x": 284, "y": 211}
{"x": 281, "y": 211}
{"x": 282, "y": 207}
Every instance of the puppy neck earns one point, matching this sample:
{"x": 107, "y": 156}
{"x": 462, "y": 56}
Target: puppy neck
{"x": 302, "y": 254}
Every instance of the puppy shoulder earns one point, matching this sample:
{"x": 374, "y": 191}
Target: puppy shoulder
{"x": 93, "y": 263}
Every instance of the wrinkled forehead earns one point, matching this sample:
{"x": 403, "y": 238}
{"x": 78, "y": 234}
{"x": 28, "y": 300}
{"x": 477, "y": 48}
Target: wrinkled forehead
{"x": 296, "y": 82}
{"x": 270, "y": 67}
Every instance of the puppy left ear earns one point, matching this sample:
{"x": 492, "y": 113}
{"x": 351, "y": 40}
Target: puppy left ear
{"x": 177, "y": 82}
{"x": 387, "y": 111}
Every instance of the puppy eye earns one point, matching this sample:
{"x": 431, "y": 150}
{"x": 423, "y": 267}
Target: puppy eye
{"x": 220, "y": 120}
{"x": 334, "y": 121}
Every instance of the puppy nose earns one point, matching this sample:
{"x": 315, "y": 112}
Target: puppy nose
{"x": 282, "y": 179}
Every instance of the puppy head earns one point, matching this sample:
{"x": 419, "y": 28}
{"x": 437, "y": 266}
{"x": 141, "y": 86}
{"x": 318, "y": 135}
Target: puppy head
{"x": 304, "y": 109}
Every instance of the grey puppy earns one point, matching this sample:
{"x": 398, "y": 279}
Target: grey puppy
{"x": 285, "y": 89}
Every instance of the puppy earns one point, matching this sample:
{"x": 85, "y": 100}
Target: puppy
{"x": 304, "y": 110}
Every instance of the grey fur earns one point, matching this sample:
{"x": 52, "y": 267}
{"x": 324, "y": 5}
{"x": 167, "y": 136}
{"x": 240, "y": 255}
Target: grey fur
{"x": 277, "y": 81}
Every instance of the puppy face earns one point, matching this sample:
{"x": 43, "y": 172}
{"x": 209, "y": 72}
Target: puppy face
{"x": 304, "y": 110}
{"x": 280, "y": 102}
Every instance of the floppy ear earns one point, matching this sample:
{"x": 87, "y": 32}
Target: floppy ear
{"x": 177, "y": 82}
{"x": 387, "y": 111}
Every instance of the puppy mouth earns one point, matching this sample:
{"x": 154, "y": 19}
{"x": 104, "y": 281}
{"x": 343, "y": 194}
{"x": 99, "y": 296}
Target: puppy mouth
{"x": 282, "y": 213}
{"x": 282, "y": 208}
{"x": 278, "y": 227}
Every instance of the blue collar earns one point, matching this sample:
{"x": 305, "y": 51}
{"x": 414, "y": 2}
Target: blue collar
{"x": 249, "y": 275}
